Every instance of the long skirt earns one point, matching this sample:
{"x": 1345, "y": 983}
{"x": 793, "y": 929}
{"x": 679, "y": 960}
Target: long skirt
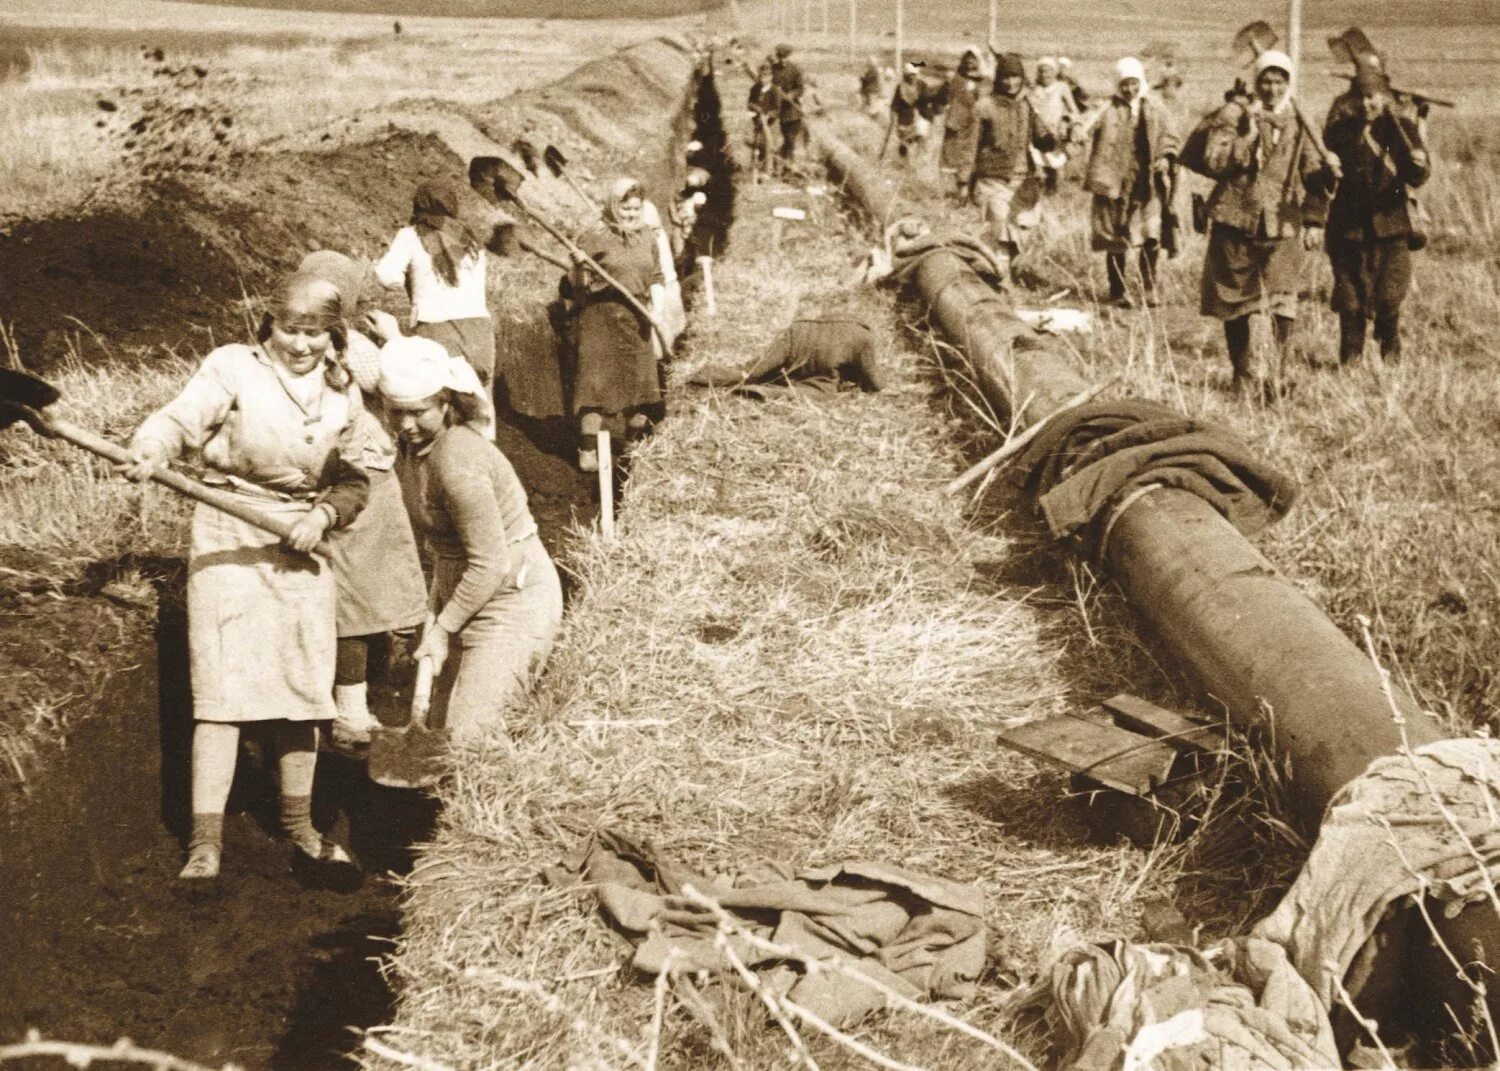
{"x": 261, "y": 636}
{"x": 1118, "y": 226}
{"x": 502, "y": 648}
{"x": 1244, "y": 275}
{"x": 616, "y": 364}
{"x": 375, "y": 565}
{"x": 1369, "y": 277}
{"x": 473, "y": 339}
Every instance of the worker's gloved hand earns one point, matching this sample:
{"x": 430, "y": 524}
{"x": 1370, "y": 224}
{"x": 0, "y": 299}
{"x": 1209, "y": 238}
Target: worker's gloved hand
{"x": 146, "y": 459}
{"x": 435, "y": 643}
{"x": 310, "y": 528}
{"x": 1312, "y": 237}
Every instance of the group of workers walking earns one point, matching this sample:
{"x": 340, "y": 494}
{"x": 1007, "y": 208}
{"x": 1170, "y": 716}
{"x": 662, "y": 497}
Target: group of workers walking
{"x": 1280, "y": 188}
{"x": 367, "y": 441}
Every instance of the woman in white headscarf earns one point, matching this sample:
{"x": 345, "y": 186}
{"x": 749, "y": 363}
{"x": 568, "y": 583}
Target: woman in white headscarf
{"x": 1132, "y": 149}
{"x": 274, "y": 422}
{"x": 616, "y": 377}
{"x": 496, "y": 600}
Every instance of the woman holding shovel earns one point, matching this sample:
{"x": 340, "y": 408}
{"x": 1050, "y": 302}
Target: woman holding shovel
{"x": 440, "y": 262}
{"x": 495, "y": 592}
{"x": 274, "y": 422}
{"x": 617, "y": 375}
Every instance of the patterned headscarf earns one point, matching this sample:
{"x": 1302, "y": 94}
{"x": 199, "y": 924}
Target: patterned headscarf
{"x": 622, "y": 190}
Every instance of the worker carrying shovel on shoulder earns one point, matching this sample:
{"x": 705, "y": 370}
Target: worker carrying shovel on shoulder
{"x": 1272, "y": 181}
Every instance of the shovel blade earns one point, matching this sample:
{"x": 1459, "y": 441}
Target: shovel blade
{"x": 1350, "y": 45}
{"x": 408, "y": 757}
{"x": 525, "y": 151}
{"x": 495, "y": 173}
{"x": 1255, "y": 37}
{"x": 554, "y": 160}
{"x": 22, "y": 388}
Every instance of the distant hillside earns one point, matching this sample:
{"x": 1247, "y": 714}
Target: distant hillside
{"x": 499, "y": 9}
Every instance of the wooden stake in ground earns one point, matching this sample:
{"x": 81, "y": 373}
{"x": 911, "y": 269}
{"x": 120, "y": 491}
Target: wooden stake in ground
{"x": 1016, "y": 443}
{"x": 710, "y": 301}
{"x": 606, "y": 485}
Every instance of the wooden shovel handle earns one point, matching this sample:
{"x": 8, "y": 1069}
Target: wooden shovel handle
{"x": 421, "y": 693}
{"x": 183, "y": 485}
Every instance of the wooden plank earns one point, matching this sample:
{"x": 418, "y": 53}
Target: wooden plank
{"x": 1117, "y": 758}
{"x": 1138, "y": 715}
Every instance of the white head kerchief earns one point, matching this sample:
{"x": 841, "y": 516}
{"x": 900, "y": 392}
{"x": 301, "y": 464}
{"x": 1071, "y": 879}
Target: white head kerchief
{"x": 413, "y": 369}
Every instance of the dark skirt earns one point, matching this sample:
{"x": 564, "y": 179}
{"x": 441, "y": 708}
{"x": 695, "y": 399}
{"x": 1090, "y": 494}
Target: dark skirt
{"x": 1369, "y": 277}
{"x": 473, "y": 339}
{"x": 1243, "y": 275}
{"x": 616, "y": 364}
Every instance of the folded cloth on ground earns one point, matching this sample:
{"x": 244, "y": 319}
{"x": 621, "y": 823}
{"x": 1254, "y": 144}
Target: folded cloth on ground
{"x": 1086, "y": 459}
{"x": 815, "y": 355}
{"x": 1129, "y": 1007}
{"x": 1399, "y": 830}
{"x": 922, "y": 936}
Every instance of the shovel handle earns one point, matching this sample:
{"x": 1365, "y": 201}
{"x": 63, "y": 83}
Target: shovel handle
{"x": 183, "y": 485}
{"x": 421, "y": 693}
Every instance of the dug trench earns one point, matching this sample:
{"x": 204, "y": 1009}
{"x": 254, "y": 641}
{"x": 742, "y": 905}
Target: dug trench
{"x": 273, "y": 965}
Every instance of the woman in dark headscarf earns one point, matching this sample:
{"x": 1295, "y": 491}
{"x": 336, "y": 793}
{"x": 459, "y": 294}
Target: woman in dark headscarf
{"x": 440, "y": 262}
{"x": 616, "y": 376}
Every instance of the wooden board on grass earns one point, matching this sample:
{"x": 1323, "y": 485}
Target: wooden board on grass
{"x": 1138, "y": 715}
{"x": 1096, "y": 748}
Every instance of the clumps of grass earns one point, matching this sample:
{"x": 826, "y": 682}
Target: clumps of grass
{"x": 792, "y": 651}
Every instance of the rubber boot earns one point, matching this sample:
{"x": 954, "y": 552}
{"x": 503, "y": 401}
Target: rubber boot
{"x": 1351, "y": 337}
{"x": 1388, "y": 334}
{"x": 1148, "y": 275}
{"x": 1114, "y": 268}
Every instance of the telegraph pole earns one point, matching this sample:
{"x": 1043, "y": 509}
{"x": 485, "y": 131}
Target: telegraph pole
{"x": 995, "y": 20}
{"x": 900, "y": 38}
{"x": 1294, "y": 41}
{"x": 853, "y": 22}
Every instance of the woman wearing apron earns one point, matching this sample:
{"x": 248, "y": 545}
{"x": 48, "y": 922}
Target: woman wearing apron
{"x": 275, "y": 424}
{"x": 496, "y": 599}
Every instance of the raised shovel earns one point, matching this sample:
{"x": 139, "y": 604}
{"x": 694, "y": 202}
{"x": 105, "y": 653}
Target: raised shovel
{"x": 492, "y": 177}
{"x": 410, "y": 755}
{"x": 1258, "y": 37}
{"x": 25, "y": 399}
{"x": 557, "y": 163}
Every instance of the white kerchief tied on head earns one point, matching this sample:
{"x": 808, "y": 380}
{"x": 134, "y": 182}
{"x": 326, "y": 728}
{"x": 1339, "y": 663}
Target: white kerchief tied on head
{"x": 414, "y": 369}
{"x": 1130, "y": 67}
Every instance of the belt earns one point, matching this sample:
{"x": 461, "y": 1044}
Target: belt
{"x": 256, "y": 490}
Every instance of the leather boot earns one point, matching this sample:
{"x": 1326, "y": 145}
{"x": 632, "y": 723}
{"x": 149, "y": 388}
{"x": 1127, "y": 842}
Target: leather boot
{"x": 1351, "y": 337}
{"x": 1237, "y": 339}
{"x": 1388, "y": 334}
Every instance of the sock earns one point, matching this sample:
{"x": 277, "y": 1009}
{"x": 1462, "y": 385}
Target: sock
{"x": 208, "y": 831}
{"x": 352, "y": 701}
{"x": 296, "y": 822}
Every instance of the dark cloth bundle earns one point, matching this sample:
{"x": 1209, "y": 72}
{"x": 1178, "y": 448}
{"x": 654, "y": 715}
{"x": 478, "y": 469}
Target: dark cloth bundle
{"x": 1089, "y": 458}
{"x": 814, "y": 355}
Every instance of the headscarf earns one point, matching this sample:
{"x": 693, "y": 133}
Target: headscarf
{"x": 434, "y": 214}
{"x": 969, "y": 63}
{"x": 1271, "y": 58}
{"x": 318, "y": 303}
{"x": 1047, "y": 61}
{"x": 1126, "y": 68}
{"x": 349, "y": 276}
{"x": 1009, "y": 65}
{"x": 783, "y": 51}
{"x": 413, "y": 369}
{"x": 622, "y": 190}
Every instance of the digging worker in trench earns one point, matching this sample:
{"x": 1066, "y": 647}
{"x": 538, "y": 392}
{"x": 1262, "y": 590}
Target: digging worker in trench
{"x": 275, "y": 424}
{"x": 1132, "y": 150}
{"x": 1267, "y": 207}
{"x": 440, "y": 262}
{"x": 616, "y": 378}
{"x": 1371, "y": 234}
{"x": 1008, "y": 128}
{"x": 496, "y": 600}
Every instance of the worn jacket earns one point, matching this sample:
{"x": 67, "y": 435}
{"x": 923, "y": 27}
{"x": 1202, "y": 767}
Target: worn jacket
{"x": 1122, "y": 153}
{"x": 1269, "y": 175}
{"x": 1380, "y": 171}
{"x": 789, "y": 85}
{"x": 1008, "y": 129}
